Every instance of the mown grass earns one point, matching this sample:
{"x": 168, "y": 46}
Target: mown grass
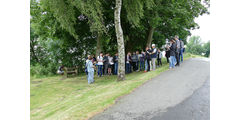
{"x": 72, "y": 98}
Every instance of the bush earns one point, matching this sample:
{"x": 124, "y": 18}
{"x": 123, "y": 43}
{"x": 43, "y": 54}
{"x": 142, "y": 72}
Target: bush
{"x": 39, "y": 70}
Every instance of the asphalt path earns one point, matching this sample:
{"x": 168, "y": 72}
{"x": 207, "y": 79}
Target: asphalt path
{"x": 181, "y": 93}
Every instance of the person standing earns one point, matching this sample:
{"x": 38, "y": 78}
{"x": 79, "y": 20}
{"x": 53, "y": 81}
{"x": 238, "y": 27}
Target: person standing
{"x": 159, "y": 58}
{"x": 167, "y": 55}
{"x": 100, "y": 64}
{"x": 138, "y": 60}
{"x": 105, "y": 63}
{"x": 145, "y": 61}
{"x": 148, "y": 56}
{"x": 172, "y": 54}
{"x": 115, "y": 59}
{"x": 128, "y": 65}
{"x": 181, "y": 50}
{"x": 154, "y": 56}
{"x": 141, "y": 59}
{"x": 86, "y": 64}
{"x": 90, "y": 69}
{"x": 177, "y": 50}
{"x": 110, "y": 65}
{"x": 134, "y": 61}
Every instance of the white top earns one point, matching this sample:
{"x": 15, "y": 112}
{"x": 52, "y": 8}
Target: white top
{"x": 139, "y": 55}
{"x": 154, "y": 50}
{"x": 110, "y": 60}
{"x": 127, "y": 59}
{"x": 100, "y": 59}
{"x": 160, "y": 54}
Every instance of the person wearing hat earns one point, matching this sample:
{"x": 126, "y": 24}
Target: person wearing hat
{"x": 154, "y": 56}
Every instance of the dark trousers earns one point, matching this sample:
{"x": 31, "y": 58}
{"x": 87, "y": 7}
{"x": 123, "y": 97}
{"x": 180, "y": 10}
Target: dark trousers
{"x": 134, "y": 64}
{"x": 148, "y": 61}
{"x": 159, "y": 61}
{"x": 177, "y": 58}
{"x": 167, "y": 59}
{"x": 105, "y": 69}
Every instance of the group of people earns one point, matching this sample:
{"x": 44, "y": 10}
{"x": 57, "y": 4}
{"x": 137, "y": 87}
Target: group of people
{"x": 145, "y": 61}
{"x": 174, "y": 52}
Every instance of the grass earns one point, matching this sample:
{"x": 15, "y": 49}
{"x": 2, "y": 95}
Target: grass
{"x": 73, "y": 98}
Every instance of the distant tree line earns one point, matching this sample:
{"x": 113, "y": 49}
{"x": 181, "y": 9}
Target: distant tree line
{"x": 196, "y": 46}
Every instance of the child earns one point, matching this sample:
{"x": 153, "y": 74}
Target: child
{"x": 90, "y": 70}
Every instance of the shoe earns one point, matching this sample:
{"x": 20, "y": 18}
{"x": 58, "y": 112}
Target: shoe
{"x": 145, "y": 71}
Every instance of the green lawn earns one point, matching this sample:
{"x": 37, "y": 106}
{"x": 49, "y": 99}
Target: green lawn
{"x": 73, "y": 98}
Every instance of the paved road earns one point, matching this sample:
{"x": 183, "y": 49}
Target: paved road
{"x": 178, "y": 94}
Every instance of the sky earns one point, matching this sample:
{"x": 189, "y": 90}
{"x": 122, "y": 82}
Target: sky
{"x": 204, "y": 30}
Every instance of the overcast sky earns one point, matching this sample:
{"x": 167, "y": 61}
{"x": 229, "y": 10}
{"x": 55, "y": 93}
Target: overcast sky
{"x": 204, "y": 30}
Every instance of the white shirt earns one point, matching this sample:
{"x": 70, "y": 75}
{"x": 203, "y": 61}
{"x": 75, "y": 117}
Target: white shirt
{"x": 99, "y": 59}
{"x": 154, "y": 50}
{"x": 127, "y": 59}
{"x": 110, "y": 60}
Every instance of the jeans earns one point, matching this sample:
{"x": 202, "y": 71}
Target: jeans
{"x": 146, "y": 65}
{"x": 181, "y": 54}
{"x": 154, "y": 63}
{"x": 128, "y": 67}
{"x": 116, "y": 68}
{"x": 137, "y": 65}
{"x": 100, "y": 71}
{"x": 141, "y": 65}
{"x": 172, "y": 62}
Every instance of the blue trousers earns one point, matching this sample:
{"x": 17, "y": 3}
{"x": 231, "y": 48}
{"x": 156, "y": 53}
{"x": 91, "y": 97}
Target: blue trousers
{"x": 128, "y": 68}
{"x": 141, "y": 65}
{"x": 172, "y": 61}
{"x": 100, "y": 70}
{"x": 146, "y": 65}
{"x": 116, "y": 68}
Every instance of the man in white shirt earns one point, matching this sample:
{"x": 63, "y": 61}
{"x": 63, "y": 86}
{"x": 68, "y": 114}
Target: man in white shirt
{"x": 154, "y": 56}
{"x": 100, "y": 64}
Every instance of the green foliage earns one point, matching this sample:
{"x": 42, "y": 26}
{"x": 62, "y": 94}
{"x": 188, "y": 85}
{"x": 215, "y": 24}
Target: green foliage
{"x": 40, "y": 71}
{"x": 65, "y": 31}
{"x": 197, "y": 47}
{"x": 206, "y": 47}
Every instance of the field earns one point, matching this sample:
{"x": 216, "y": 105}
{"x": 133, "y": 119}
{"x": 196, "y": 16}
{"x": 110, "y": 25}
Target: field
{"x": 73, "y": 98}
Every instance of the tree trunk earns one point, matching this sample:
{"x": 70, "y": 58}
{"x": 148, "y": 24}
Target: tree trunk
{"x": 99, "y": 45}
{"x": 150, "y": 35}
{"x": 120, "y": 41}
{"x": 33, "y": 52}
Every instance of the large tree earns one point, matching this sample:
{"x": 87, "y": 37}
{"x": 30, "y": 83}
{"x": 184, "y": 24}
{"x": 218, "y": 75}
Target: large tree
{"x": 119, "y": 34}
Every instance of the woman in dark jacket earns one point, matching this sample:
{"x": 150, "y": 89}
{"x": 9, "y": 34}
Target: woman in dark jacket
{"x": 148, "y": 56}
{"x": 172, "y": 50}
